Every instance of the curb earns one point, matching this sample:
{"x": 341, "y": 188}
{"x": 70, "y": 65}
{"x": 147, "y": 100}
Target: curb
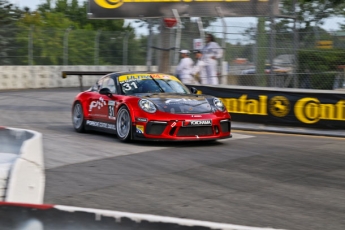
{"x": 287, "y": 130}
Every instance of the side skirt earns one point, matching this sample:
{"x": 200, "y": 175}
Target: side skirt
{"x": 100, "y": 126}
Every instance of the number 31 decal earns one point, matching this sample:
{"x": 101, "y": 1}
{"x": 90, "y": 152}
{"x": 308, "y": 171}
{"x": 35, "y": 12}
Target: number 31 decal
{"x": 129, "y": 86}
{"x": 111, "y": 110}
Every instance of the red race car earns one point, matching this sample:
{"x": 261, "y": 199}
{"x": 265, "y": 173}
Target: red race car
{"x": 150, "y": 106}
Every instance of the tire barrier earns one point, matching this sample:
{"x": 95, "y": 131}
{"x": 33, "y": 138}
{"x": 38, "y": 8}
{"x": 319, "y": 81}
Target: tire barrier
{"x": 24, "y": 216}
{"x": 22, "y": 176}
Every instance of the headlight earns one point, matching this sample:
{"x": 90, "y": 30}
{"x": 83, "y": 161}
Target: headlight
{"x": 147, "y": 106}
{"x": 219, "y": 104}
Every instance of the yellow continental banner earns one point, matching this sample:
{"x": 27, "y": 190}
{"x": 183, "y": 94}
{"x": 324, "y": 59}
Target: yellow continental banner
{"x": 113, "y": 4}
{"x": 308, "y": 110}
{"x": 245, "y": 105}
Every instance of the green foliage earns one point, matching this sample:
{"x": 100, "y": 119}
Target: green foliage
{"x": 8, "y": 15}
{"x": 320, "y": 66}
{"x": 77, "y": 13}
{"x": 311, "y": 12}
{"x": 61, "y": 34}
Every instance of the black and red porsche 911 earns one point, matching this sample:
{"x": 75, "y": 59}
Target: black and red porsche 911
{"x": 150, "y": 106}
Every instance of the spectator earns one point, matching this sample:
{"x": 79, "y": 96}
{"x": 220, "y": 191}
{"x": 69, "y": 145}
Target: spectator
{"x": 211, "y": 52}
{"x": 199, "y": 70}
{"x": 185, "y": 67}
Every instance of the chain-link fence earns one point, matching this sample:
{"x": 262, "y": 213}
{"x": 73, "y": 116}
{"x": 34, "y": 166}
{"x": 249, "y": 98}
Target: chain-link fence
{"x": 253, "y": 56}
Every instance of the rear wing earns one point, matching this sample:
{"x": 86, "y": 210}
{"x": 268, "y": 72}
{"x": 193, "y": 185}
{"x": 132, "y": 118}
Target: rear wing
{"x": 80, "y": 75}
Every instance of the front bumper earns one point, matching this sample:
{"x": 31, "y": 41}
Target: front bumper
{"x": 176, "y": 130}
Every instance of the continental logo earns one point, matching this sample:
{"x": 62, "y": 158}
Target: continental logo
{"x": 279, "y": 106}
{"x": 246, "y": 106}
{"x": 113, "y": 4}
{"x": 309, "y": 110}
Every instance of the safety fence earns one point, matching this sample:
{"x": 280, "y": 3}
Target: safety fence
{"x": 22, "y": 177}
{"x": 311, "y": 59}
{"x": 21, "y": 77}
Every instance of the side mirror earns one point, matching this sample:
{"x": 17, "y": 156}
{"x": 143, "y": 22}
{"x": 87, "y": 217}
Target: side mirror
{"x": 106, "y": 91}
{"x": 193, "y": 90}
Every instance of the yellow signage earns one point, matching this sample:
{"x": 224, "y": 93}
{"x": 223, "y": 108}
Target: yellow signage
{"x": 113, "y": 4}
{"x": 246, "y": 106}
{"x": 308, "y": 110}
{"x": 324, "y": 44}
{"x": 279, "y": 106}
{"x": 134, "y": 77}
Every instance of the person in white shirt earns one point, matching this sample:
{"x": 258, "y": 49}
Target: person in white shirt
{"x": 200, "y": 68}
{"x": 211, "y": 52}
{"x": 185, "y": 67}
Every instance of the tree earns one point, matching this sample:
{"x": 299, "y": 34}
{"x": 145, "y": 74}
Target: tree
{"x": 46, "y": 32}
{"x": 311, "y": 13}
{"x": 61, "y": 33}
{"x": 8, "y": 15}
{"x": 77, "y": 13}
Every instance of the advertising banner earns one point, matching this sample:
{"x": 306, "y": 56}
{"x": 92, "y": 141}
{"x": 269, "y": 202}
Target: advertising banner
{"x": 314, "y": 109}
{"x": 110, "y": 9}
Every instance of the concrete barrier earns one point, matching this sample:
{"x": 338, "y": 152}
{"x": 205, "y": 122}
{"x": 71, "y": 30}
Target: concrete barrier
{"x": 24, "y": 216}
{"x": 33, "y": 77}
{"x": 22, "y": 176}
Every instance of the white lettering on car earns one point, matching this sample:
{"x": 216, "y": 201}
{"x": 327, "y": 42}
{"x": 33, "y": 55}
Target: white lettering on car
{"x": 176, "y": 101}
{"x": 100, "y": 124}
{"x": 206, "y": 122}
{"x": 97, "y": 104}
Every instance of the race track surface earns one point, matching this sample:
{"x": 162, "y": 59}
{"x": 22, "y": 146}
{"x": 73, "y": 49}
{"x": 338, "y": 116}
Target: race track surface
{"x": 255, "y": 179}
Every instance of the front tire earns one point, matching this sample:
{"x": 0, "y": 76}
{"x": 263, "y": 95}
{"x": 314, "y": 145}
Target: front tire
{"x": 124, "y": 124}
{"x": 78, "y": 118}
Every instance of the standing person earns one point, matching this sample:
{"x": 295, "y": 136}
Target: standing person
{"x": 211, "y": 52}
{"x": 200, "y": 68}
{"x": 185, "y": 67}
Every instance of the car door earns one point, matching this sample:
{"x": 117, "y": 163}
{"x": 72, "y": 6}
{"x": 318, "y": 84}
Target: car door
{"x": 110, "y": 110}
{"x": 97, "y": 103}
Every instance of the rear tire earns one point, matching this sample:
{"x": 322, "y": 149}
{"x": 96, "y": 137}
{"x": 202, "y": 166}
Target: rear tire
{"x": 78, "y": 118}
{"x": 124, "y": 124}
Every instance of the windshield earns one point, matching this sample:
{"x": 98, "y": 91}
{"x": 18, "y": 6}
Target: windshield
{"x": 151, "y": 83}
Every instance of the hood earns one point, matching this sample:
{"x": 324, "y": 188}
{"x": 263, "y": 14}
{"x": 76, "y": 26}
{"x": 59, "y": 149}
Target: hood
{"x": 179, "y": 103}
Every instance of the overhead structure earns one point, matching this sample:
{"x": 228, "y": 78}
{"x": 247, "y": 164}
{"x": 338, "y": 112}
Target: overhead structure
{"x": 116, "y": 9}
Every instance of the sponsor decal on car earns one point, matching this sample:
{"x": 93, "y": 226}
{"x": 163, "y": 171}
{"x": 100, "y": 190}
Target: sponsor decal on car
{"x": 177, "y": 101}
{"x": 136, "y": 77}
{"x": 139, "y": 129}
{"x": 99, "y": 124}
{"x": 97, "y": 104}
{"x": 140, "y": 119}
{"x": 198, "y": 123}
{"x": 111, "y": 110}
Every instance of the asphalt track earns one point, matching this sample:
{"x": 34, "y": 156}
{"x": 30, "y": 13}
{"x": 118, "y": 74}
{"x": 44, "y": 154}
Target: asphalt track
{"x": 255, "y": 179}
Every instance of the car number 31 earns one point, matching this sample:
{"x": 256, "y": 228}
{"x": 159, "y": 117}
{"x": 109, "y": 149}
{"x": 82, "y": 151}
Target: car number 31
{"x": 129, "y": 86}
